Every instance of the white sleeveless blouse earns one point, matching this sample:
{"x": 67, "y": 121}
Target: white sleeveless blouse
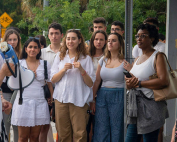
{"x": 143, "y": 71}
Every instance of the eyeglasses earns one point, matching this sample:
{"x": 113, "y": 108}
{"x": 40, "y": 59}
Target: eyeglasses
{"x": 34, "y": 38}
{"x": 116, "y": 29}
{"x": 141, "y": 36}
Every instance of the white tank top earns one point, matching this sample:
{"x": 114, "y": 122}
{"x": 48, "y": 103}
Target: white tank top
{"x": 143, "y": 71}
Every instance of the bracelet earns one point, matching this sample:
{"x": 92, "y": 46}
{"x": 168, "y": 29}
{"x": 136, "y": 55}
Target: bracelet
{"x": 84, "y": 73}
{"x": 139, "y": 84}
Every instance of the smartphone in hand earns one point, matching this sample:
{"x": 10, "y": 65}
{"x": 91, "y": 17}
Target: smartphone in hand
{"x": 127, "y": 74}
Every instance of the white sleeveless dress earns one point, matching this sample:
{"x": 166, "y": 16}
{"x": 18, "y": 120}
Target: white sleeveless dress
{"x": 34, "y": 110}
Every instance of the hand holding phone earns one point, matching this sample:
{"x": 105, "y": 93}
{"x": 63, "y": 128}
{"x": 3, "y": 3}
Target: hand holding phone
{"x": 127, "y": 74}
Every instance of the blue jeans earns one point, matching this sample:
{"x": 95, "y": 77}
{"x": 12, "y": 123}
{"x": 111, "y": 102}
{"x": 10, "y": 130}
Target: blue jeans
{"x": 109, "y": 116}
{"x": 132, "y": 135}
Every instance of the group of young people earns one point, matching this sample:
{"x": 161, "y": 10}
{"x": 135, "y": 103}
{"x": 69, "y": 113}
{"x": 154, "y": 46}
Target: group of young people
{"x": 86, "y": 76}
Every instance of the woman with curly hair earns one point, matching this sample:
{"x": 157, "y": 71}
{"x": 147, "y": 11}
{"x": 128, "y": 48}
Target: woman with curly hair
{"x": 145, "y": 116}
{"x": 109, "y": 115}
{"x": 73, "y": 73}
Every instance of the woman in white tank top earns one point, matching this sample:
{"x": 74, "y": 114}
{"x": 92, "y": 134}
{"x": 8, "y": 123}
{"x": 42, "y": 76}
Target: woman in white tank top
{"x": 147, "y": 38}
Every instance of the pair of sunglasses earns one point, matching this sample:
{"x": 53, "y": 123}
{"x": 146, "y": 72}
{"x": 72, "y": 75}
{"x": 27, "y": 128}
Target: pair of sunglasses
{"x": 34, "y": 38}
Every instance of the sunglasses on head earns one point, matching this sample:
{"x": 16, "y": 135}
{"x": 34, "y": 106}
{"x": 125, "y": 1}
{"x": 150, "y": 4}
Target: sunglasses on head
{"x": 34, "y": 38}
{"x": 74, "y": 30}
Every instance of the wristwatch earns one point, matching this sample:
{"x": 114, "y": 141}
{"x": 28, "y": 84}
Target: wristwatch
{"x": 139, "y": 84}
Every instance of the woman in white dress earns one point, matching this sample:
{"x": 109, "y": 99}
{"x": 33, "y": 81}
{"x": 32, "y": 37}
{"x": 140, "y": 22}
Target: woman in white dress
{"x": 34, "y": 112}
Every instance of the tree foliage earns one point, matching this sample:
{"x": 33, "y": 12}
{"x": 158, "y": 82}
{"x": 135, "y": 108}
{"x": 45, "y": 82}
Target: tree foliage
{"x": 67, "y": 13}
{"x": 148, "y": 8}
{"x": 13, "y": 8}
{"x": 79, "y": 15}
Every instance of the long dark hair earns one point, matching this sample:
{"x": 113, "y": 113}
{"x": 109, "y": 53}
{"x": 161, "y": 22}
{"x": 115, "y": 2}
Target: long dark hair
{"x": 24, "y": 54}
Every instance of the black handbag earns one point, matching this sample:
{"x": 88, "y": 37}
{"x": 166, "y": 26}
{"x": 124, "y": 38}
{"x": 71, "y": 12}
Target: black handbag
{"x": 47, "y": 94}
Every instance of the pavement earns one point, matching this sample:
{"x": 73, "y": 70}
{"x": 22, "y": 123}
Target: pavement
{"x": 53, "y": 129}
{"x": 165, "y": 138}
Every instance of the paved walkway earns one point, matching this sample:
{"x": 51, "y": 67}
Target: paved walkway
{"x": 53, "y": 129}
{"x": 165, "y": 139}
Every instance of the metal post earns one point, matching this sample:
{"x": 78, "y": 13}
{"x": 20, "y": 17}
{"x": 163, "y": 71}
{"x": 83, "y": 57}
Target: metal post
{"x": 128, "y": 44}
{"x": 171, "y": 52}
{"x": 45, "y": 4}
{"x": 128, "y": 29}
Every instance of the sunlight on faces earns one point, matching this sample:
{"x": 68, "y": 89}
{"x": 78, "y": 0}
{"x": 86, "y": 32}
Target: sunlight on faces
{"x": 113, "y": 43}
{"x": 72, "y": 41}
{"x": 99, "y": 41}
{"x": 55, "y": 36}
{"x": 99, "y": 26}
{"x": 13, "y": 40}
{"x": 117, "y": 29}
{"x": 32, "y": 49}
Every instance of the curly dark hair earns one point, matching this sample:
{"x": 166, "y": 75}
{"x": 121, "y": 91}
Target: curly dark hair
{"x": 24, "y": 54}
{"x": 92, "y": 49}
{"x": 81, "y": 49}
{"x": 153, "y": 32}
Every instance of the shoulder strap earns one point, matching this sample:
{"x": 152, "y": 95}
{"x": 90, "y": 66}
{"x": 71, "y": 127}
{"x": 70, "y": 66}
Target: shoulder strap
{"x": 102, "y": 61}
{"x": 165, "y": 58}
{"x": 45, "y": 70}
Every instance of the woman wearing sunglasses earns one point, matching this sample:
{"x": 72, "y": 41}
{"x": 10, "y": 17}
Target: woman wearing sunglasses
{"x": 73, "y": 73}
{"x": 149, "y": 116}
{"x": 34, "y": 111}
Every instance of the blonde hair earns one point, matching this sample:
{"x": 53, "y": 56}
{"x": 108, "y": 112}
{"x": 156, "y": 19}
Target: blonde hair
{"x": 17, "y": 49}
{"x": 121, "y": 51}
{"x": 81, "y": 49}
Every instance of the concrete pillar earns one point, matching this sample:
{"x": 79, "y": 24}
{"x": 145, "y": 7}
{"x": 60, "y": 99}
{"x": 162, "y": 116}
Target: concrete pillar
{"x": 171, "y": 52}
